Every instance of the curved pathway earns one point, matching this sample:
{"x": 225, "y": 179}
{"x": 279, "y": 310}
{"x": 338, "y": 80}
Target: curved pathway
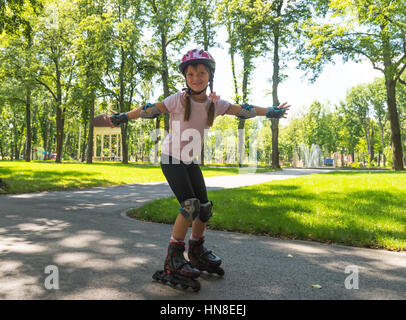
{"x": 99, "y": 253}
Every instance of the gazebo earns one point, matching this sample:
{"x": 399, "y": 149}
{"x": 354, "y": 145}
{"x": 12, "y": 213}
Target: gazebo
{"x": 114, "y": 147}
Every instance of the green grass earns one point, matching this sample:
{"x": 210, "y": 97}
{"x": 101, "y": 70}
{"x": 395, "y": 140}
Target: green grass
{"x": 364, "y": 209}
{"x": 21, "y": 177}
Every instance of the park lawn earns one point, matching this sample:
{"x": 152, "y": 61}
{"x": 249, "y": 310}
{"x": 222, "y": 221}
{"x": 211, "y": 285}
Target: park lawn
{"x": 21, "y": 177}
{"x": 364, "y": 209}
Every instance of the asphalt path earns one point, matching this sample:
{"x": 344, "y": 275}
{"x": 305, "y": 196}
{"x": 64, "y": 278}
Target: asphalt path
{"x": 81, "y": 245}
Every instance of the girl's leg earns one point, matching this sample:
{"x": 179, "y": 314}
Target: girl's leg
{"x": 199, "y": 187}
{"x": 198, "y": 228}
{"x": 200, "y": 257}
{"x": 180, "y": 228}
{"x": 178, "y": 179}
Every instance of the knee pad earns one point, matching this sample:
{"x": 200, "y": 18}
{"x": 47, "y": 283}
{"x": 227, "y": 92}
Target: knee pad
{"x": 190, "y": 208}
{"x": 205, "y": 211}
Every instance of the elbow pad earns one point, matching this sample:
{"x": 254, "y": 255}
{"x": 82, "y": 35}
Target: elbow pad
{"x": 153, "y": 111}
{"x": 247, "y": 111}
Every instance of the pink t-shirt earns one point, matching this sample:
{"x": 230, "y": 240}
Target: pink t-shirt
{"x": 185, "y": 140}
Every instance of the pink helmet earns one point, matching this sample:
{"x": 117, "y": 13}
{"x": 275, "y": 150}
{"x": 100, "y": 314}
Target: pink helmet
{"x": 197, "y": 56}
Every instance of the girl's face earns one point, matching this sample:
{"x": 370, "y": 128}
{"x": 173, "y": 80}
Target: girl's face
{"x": 197, "y": 77}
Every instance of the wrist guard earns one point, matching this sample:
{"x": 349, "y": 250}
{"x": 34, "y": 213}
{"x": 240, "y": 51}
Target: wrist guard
{"x": 119, "y": 118}
{"x": 275, "y": 112}
{"x": 153, "y": 111}
{"x": 247, "y": 111}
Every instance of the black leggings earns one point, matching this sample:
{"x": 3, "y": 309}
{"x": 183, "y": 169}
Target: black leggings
{"x": 185, "y": 180}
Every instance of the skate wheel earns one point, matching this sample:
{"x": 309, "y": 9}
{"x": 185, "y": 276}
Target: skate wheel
{"x": 184, "y": 286}
{"x": 157, "y": 276}
{"x": 220, "y": 272}
{"x": 196, "y": 286}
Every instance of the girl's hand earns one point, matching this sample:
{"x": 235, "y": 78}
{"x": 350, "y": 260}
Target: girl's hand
{"x": 286, "y": 107}
{"x": 278, "y": 112}
{"x": 214, "y": 97}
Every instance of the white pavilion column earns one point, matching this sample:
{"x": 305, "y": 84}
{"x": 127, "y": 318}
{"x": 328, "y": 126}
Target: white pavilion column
{"x": 110, "y": 143}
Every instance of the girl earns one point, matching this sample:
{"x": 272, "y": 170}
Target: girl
{"x": 191, "y": 111}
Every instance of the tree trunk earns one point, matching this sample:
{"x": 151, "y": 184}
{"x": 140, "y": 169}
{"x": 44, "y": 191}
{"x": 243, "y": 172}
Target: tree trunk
{"x": 27, "y": 155}
{"x": 165, "y": 80}
{"x": 157, "y": 139}
{"x": 241, "y": 122}
{"x": 237, "y": 97}
{"x": 241, "y": 142}
{"x": 90, "y": 137}
{"x": 124, "y": 144}
{"x": 390, "y": 84}
{"x": 165, "y": 77}
{"x": 383, "y": 144}
{"x": 275, "y": 101}
{"x": 371, "y": 144}
{"x": 84, "y": 143}
{"x": 60, "y": 118}
{"x": 394, "y": 124}
{"x": 275, "y": 84}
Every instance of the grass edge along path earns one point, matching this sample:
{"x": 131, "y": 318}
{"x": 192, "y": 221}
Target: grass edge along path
{"x": 362, "y": 209}
{"x": 36, "y": 176}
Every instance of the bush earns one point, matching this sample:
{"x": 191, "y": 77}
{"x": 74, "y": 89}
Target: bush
{"x": 355, "y": 165}
{"x": 372, "y": 164}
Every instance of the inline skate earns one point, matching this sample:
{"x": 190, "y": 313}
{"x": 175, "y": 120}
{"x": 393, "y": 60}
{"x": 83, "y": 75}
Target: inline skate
{"x": 203, "y": 259}
{"x": 177, "y": 270}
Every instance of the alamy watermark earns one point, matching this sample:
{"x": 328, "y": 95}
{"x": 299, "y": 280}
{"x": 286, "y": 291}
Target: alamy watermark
{"x": 52, "y": 281}
{"x": 226, "y": 146}
{"x": 51, "y": 16}
{"x": 352, "y": 281}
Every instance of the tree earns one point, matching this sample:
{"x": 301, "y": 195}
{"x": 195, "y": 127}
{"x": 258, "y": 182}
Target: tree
{"x": 93, "y": 50}
{"x": 401, "y": 100}
{"x": 203, "y": 18}
{"x": 169, "y": 20}
{"x": 243, "y": 27}
{"x": 359, "y": 104}
{"x": 18, "y": 63}
{"x": 12, "y": 14}
{"x": 376, "y": 94}
{"x": 351, "y": 131}
{"x": 57, "y": 63}
{"x": 364, "y": 29}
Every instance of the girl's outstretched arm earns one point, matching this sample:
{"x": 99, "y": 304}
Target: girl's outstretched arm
{"x": 247, "y": 111}
{"x": 136, "y": 113}
{"x": 148, "y": 111}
